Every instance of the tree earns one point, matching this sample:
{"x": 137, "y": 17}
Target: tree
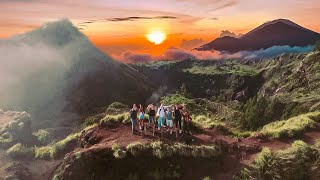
{"x": 184, "y": 91}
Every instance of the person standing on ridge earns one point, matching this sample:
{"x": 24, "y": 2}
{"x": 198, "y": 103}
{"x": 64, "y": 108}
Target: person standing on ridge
{"x": 141, "y": 119}
{"x": 169, "y": 114}
{"x": 186, "y": 119}
{"x": 177, "y": 117}
{"x": 152, "y": 114}
{"x": 133, "y": 116}
{"x": 162, "y": 115}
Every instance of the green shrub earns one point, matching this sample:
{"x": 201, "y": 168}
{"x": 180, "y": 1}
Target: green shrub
{"x": 43, "y": 137}
{"x": 46, "y": 152}
{"x": 117, "y": 107}
{"x": 63, "y": 145}
{"x": 137, "y": 148}
{"x": 162, "y": 150}
{"x": 258, "y": 112}
{"x": 6, "y": 139}
{"x": 207, "y": 178}
{"x": 90, "y": 121}
{"x": 52, "y": 151}
{"x": 118, "y": 152}
{"x": 300, "y": 161}
{"x": 19, "y": 151}
{"x": 121, "y": 118}
{"x": 291, "y": 127}
{"x": 176, "y": 99}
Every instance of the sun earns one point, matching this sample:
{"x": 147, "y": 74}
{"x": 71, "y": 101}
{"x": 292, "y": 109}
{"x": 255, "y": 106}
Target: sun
{"x": 156, "y": 37}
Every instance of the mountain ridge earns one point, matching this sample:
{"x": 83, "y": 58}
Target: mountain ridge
{"x": 57, "y": 69}
{"x": 274, "y": 33}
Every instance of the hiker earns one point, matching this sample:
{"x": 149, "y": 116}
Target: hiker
{"x": 169, "y": 117}
{"x": 141, "y": 119}
{"x": 177, "y": 117}
{"x": 162, "y": 115}
{"x": 133, "y": 115}
{"x": 186, "y": 119}
{"x": 152, "y": 114}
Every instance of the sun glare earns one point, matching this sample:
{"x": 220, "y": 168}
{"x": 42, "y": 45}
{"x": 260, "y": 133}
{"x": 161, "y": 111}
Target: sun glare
{"x": 156, "y": 37}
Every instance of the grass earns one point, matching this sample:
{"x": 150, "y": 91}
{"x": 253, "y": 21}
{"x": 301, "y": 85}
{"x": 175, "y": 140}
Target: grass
{"x": 121, "y": 118}
{"x": 46, "y": 152}
{"x": 117, "y": 107}
{"x": 19, "y": 151}
{"x": 291, "y": 127}
{"x": 6, "y": 139}
{"x": 237, "y": 68}
{"x": 43, "y": 136}
{"x": 89, "y": 121}
{"x": 161, "y": 150}
{"x": 53, "y": 151}
{"x": 203, "y": 121}
{"x": 300, "y": 161}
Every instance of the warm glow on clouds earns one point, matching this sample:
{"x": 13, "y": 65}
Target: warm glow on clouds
{"x": 120, "y": 26}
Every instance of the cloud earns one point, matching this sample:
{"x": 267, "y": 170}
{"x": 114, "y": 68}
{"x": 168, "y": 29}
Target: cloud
{"x": 275, "y": 51}
{"x": 174, "y": 54}
{"x": 134, "y": 18}
{"x": 215, "y": 18}
{"x": 191, "y": 44}
{"x": 227, "y": 33}
{"x": 131, "y": 57}
{"x": 225, "y": 5}
{"x": 130, "y": 18}
{"x": 122, "y": 19}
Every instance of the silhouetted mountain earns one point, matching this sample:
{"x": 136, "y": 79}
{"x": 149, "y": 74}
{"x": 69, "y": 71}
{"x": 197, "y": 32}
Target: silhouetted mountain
{"x": 279, "y": 32}
{"x": 56, "y": 68}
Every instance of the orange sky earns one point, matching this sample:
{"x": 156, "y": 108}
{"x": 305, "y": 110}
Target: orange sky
{"x": 197, "y": 22}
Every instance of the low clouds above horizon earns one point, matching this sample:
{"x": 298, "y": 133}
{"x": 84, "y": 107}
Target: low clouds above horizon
{"x": 174, "y": 54}
{"x": 191, "y": 44}
{"x": 229, "y": 33}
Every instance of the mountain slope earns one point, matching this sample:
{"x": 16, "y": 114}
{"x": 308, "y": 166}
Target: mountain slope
{"x": 275, "y": 33}
{"x": 56, "y": 69}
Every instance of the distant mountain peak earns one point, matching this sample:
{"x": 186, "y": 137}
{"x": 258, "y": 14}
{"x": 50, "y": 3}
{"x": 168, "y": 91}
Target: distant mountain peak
{"x": 279, "y": 32}
{"x": 56, "y": 33}
{"x": 268, "y": 23}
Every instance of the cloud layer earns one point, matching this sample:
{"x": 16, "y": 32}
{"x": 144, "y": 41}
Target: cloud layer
{"x": 173, "y": 54}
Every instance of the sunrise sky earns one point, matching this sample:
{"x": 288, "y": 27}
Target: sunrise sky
{"x": 117, "y": 26}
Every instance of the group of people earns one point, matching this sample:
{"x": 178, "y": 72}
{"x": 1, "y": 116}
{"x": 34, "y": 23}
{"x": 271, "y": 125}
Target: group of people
{"x": 163, "y": 117}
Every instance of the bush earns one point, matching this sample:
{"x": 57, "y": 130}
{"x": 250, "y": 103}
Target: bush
{"x": 6, "y": 139}
{"x": 63, "y": 145}
{"x": 300, "y": 161}
{"x": 258, "y": 112}
{"x": 291, "y": 127}
{"x": 19, "y": 151}
{"x": 162, "y": 150}
{"x": 46, "y": 152}
{"x": 121, "y": 118}
{"x": 118, "y": 152}
{"x": 43, "y": 137}
{"x": 90, "y": 121}
{"x": 137, "y": 148}
{"x": 53, "y": 151}
{"x": 206, "y": 178}
{"x": 117, "y": 107}
{"x": 177, "y": 99}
